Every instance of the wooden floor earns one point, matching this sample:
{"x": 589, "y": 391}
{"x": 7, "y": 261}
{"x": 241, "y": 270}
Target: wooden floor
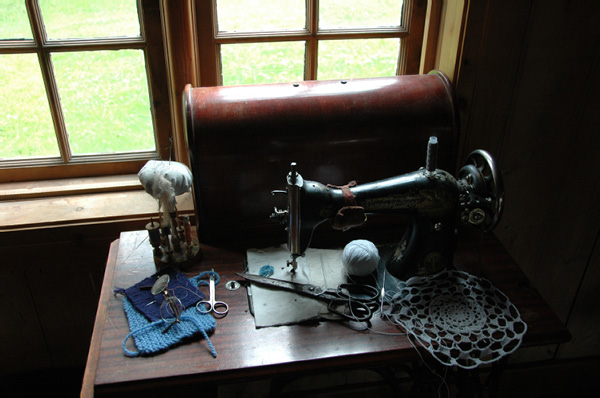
{"x": 541, "y": 380}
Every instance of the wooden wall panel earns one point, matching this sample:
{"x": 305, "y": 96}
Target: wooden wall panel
{"x": 22, "y": 344}
{"x": 52, "y": 280}
{"x": 492, "y": 50}
{"x": 545, "y": 147}
{"x": 51, "y": 303}
{"x": 529, "y": 82}
{"x": 585, "y": 317}
{"x": 581, "y": 196}
{"x": 66, "y": 296}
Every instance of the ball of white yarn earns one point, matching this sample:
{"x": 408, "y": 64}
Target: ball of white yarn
{"x": 360, "y": 257}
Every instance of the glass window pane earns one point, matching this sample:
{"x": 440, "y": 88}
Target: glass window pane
{"x": 346, "y": 59}
{"x": 14, "y": 22}
{"x": 260, "y": 15}
{"x": 104, "y": 96}
{"x": 262, "y": 63}
{"x": 76, "y": 19}
{"x": 26, "y": 128}
{"x": 359, "y": 13}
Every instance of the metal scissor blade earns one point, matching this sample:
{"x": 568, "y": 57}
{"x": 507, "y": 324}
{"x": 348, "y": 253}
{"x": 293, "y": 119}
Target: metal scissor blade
{"x": 300, "y": 288}
{"x": 358, "y": 311}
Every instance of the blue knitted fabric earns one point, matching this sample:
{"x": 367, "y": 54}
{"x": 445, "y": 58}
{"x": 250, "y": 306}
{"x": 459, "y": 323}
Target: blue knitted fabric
{"x": 148, "y": 337}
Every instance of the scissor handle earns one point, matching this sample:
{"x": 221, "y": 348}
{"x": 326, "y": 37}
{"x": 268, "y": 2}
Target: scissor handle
{"x": 210, "y": 305}
{"x": 357, "y": 310}
{"x": 204, "y": 307}
{"x": 361, "y": 301}
{"x": 357, "y": 292}
{"x": 220, "y": 307}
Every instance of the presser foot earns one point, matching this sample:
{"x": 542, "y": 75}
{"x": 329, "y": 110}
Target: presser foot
{"x": 292, "y": 263}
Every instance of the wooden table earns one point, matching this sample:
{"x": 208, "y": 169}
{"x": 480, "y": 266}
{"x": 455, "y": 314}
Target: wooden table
{"x": 245, "y": 352}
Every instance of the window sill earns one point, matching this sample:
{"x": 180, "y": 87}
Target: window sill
{"x": 68, "y": 186}
{"x": 38, "y": 205}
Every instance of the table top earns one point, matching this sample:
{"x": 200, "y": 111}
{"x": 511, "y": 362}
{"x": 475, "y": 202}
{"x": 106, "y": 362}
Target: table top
{"x": 245, "y": 352}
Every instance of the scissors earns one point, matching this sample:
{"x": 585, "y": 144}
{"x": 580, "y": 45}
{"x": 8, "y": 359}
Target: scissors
{"x": 219, "y": 308}
{"x": 361, "y": 300}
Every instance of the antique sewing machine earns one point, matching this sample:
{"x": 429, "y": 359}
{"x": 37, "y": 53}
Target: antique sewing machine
{"x": 242, "y": 140}
{"x": 434, "y": 199}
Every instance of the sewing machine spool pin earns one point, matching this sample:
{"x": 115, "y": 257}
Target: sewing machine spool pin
{"x": 432, "y": 148}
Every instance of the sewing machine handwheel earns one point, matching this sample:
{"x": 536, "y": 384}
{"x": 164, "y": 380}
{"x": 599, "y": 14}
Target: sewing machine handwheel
{"x": 481, "y": 175}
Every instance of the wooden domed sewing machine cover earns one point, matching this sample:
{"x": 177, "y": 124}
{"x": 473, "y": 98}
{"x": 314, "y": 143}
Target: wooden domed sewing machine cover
{"x": 242, "y": 140}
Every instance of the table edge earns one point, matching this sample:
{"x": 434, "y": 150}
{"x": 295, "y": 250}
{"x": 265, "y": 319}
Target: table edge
{"x": 89, "y": 376}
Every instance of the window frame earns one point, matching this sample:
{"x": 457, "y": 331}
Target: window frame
{"x": 181, "y": 49}
{"x": 68, "y": 165}
{"x": 410, "y": 33}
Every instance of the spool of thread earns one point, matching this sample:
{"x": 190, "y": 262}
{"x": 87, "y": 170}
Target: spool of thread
{"x": 154, "y": 233}
{"x": 360, "y": 257}
{"x": 187, "y": 227}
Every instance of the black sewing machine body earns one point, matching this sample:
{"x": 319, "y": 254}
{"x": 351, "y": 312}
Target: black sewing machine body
{"x": 430, "y": 198}
{"x": 435, "y": 201}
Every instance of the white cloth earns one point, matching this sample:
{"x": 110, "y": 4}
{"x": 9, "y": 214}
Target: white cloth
{"x": 178, "y": 174}
{"x": 164, "y": 180}
{"x": 272, "y": 307}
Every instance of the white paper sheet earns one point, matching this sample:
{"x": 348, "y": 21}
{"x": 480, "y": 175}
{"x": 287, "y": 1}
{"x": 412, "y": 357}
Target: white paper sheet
{"x": 272, "y": 307}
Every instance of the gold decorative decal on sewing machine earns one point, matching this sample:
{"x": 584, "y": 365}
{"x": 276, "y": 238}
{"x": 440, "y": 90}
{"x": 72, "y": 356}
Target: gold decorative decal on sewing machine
{"x": 426, "y": 202}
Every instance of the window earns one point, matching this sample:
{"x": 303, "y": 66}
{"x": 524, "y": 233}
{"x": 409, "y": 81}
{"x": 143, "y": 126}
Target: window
{"x": 254, "y": 41}
{"x": 94, "y": 87}
{"x": 81, "y": 88}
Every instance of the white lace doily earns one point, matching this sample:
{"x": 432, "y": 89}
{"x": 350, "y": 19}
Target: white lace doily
{"x": 459, "y": 318}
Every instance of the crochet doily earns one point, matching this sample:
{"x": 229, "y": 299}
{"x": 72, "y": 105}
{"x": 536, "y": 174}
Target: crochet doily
{"x": 459, "y": 318}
